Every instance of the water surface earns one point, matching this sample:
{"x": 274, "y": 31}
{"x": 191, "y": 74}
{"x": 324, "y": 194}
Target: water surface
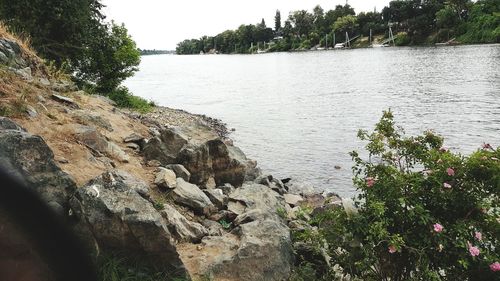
{"x": 297, "y": 114}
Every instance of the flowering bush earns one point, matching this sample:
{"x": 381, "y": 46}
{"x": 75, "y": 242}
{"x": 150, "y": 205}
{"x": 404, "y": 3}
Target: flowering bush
{"x": 424, "y": 212}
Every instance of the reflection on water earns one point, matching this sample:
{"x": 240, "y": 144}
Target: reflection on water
{"x": 298, "y": 113}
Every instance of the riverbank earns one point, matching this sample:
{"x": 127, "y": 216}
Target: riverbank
{"x": 167, "y": 187}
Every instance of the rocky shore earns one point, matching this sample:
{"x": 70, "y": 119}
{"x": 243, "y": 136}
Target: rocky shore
{"x": 168, "y": 186}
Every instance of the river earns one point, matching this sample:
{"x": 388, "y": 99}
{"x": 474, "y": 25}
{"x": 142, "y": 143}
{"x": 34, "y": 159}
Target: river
{"x": 298, "y": 114}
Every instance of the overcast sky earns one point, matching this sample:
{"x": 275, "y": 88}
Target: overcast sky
{"x": 161, "y": 24}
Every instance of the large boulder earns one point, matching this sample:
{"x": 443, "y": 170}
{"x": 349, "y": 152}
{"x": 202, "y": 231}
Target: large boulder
{"x": 257, "y": 249}
{"x": 10, "y": 54}
{"x": 28, "y": 158}
{"x": 191, "y": 196}
{"x": 226, "y": 164}
{"x": 202, "y": 159}
{"x": 181, "y": 227}
{"x": 120, "y": 218}
{"x": 165, "y": 147}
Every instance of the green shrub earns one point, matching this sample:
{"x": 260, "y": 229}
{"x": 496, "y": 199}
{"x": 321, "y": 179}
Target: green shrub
{"x": 402, "y": 39}
{"x": 424, "y": 212}
{"x": 123, "y": 98}
{"x": 120, "y": 267}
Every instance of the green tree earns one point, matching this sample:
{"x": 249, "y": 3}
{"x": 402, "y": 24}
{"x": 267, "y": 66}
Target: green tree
{"x": 58, "y": 28}
{"x": 112, "y": 58}
{"x": 277, "y": 22}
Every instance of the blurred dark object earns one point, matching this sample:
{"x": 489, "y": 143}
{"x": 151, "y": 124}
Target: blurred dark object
{"x": 35, "y": 244}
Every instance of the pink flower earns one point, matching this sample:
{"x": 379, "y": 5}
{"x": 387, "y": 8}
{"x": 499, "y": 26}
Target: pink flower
{"x": 438, "y": 228}
{"x": 487, "y": 146}
{"x": 392, "y": 249}
{"x": 478, "y": 235}
{"x": 370, "y": 181}
{"x": 450, "y": 172}
{"x": 446, "y": 185}
{"x": 495, "y": 266}
{"x": 473, "y": 250}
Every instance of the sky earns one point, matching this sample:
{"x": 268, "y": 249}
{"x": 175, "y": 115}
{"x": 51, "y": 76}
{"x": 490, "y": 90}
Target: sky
{"x": 161, "y": 24}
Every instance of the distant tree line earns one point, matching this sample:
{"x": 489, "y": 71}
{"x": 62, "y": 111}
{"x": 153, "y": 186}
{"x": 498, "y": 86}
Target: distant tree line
{"x": 145, "y": 52}
{"x": 414, "y": 22}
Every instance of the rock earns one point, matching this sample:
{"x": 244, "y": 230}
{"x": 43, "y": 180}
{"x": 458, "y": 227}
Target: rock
{"x": 210, "y": 183}
{"x": 121, "y": 219}
{"x": 89, "y": 118}
{"x": 65, "y": 100}
{"x": 224, "y": 215}
{"x": 135, "y": 138}
{"x": 196, "y": 159}
{"x": 227, "y": 188}
{"x": 299, "y": 187}
{"x": 10, "y": 54}
{"x": 25, "y": 73}
{"x": 313, "y": 201}
{"x": 153, "y": 163}
{"x": 28, "y": 158}
{"x": 293, "y": 199}
{"x": 133, "y": 146}
{"x": 213, "y": 228}
{"x": 236, "y": 207}
{"x": 166, "y": 178}
{"x": 182, "y": 228}
{"x": 31, "y": 111}
{"x": 217, "y": 197}
{"x": 180, "y": 171}
{"x": 7, "y": 124}
{"x": 191, "y": 196}
{"x": 63, "y": 86}
{"x": 116, "y": 152}
{"x": 91, "y": 138}
{"x": 43, "y": 81}
{"x": 166, "y": 147}
{"x": 228, "y": 163}
{"x": 259, "y": 248}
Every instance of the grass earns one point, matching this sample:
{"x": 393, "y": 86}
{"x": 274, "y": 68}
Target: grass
{"x": 125, "y": 99}
{"x": 118, "y": 267}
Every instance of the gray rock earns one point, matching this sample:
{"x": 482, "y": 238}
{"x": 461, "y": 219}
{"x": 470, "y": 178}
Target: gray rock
{"x": 116, "y": 152}
{"x": 133, "y": 146}
{"x": 213, "y": 228}
{"x": 180, "y": 171}
{"x": 153, "y": 163}
{"x": 236, "y": 207}
{"x": 227, "y": 188}
{"x": 166, "y": 147}
{"x": 299, "y": 188}
{"x": 259, "y": 248}
{"x": 191, "y": 196}
{"x": 65, "y": 100}
{"x": 64, "y": 86}
{"x": 8, "y": 124}
{"x": 24, "y": 73}
{"x": 182, "y": 228}
{"x": 91, "y": 138}
{"x": 217, "y": 197}
{"x": 28, "y": 158}
{"x": 89, "y": 118}
{"x": 166, "y": 178}
{"x": 121, "y": 219}
{"x": 31, "y": 111}
{"x": 134, "y": 138}
{"x": 293, "y": 199}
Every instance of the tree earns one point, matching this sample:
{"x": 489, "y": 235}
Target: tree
{"x": 302, "y": 21}
{"x": 112, "y": 58}
{"x": 277, "y": 22}
{"x": 58, "y": 28}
